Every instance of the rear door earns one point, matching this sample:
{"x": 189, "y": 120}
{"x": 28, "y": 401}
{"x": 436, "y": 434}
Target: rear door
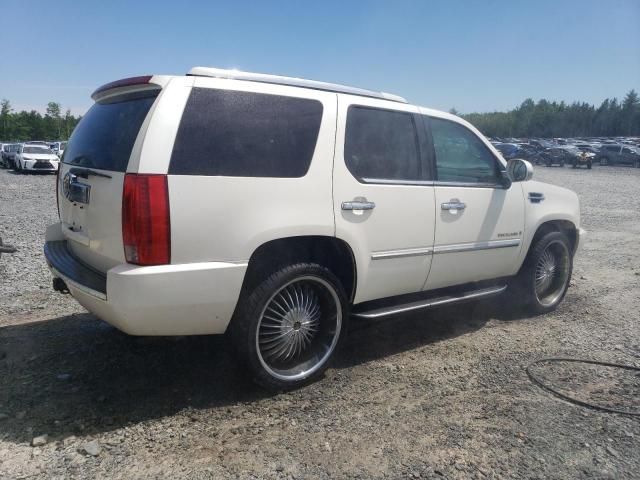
{"x": 383, "y": 195}
{"x": 92, "y": 175}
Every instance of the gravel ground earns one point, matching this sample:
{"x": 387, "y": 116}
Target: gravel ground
{"x": 437, "y": 395}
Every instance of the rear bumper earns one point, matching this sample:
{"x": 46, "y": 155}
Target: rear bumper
{"x": 188, "y": 299}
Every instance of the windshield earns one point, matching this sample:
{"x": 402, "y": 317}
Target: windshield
{"x": 105, "y": 136}
{"x": 40, "y": 150}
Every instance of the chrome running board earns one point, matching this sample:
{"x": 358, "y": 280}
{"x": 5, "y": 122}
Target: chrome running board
{"x": 430, "y": 303}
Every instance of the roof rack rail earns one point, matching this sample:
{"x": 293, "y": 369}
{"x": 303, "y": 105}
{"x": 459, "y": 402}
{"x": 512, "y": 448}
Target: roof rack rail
{"x": 291, "y": 81}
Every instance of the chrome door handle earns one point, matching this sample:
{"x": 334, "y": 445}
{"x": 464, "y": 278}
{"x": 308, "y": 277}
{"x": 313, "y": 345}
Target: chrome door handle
{"x": 454, "y": 205}
{"x": 358, "y": 205}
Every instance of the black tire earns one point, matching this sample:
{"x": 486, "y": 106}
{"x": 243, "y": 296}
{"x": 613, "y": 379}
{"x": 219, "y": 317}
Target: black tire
{"x": 574, "y": 164}
{"x": 527, "y": 290}
{"x": 604, "y": 161}
{"x": 562, "y": 163}
{"x": 636, "y": 163}
{"x": 589, "y": 165}
{"x": 253, "y": 324}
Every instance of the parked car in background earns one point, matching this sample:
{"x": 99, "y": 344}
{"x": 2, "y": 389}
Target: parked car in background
{"x": 554, "y": 156}
{"x": 35, "y": 158}
{"x": 58, "y": 148}
{"x": 325, "y": 182}
{"x": 586, "y": 147}
{"x": 9, "y": 151}
{"x": 619, "y": 154}
{"x": 508, "y": 150}
{"x": 4, "y": 147}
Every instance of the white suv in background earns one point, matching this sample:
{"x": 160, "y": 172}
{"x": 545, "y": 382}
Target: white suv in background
{"x": 58, "y": 148}
{"x": 35, "y": 158}
{"x": 275, "y": 208}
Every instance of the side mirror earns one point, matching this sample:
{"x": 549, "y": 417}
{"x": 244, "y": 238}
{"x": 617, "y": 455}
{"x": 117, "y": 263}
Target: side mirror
{"x": 519, "y": 170}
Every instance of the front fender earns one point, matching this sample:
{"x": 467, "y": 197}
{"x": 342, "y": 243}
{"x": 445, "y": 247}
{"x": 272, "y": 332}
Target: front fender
{"x": 558, "y": 204}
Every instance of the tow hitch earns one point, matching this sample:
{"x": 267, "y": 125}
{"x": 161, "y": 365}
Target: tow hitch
{"x": 6, "y": 248}
{"x": 60, "y": 286}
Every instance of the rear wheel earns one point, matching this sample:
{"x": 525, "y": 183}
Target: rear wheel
{"x": 288, "y": 328}
{"x": 636, "y": 163}
{"x": 544, "y": 277}
{"x": 589, "y": 164}
{"x": 604, "y": 161}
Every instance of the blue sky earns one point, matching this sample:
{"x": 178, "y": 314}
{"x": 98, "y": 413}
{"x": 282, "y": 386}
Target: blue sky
{"x": 473, "y": 55}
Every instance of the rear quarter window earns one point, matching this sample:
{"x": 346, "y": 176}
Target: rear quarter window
{"x": 105, "y": 136}
{"x": 245, "y": 134}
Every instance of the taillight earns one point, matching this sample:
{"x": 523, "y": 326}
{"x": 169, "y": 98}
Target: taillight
{"x": 146, "y": 231}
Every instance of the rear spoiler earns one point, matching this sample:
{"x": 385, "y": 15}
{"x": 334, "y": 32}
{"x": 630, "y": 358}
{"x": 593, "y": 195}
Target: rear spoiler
{"x": 119, "y": 86}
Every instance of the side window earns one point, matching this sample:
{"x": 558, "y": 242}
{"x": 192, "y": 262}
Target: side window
{"x": 381, "y": 145}
{"x": 245, "y": 134}
{"x": 460, "y": 155}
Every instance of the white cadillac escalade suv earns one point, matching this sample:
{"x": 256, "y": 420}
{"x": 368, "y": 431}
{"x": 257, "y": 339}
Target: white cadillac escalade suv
{"x": 275, "y": 208}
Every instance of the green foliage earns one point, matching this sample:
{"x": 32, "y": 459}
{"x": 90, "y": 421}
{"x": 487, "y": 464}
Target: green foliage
{"x": 26, "y": 126}
{"x": 552, "y": 119}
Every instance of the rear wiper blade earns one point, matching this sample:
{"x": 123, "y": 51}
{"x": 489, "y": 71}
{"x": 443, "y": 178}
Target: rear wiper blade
{"x": 84, "y": 172}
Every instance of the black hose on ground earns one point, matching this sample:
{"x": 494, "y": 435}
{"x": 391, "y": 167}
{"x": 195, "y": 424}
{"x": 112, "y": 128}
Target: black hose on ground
{"x": 557, "y": 393}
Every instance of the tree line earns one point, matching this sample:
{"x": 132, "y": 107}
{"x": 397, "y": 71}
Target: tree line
{"x": 25, "y": 126}
{"x": 547, "y": 119}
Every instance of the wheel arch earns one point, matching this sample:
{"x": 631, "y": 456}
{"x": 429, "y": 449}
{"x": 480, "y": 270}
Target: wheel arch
{"x": 328, "y": 251}
{"x": 566, "y": 226}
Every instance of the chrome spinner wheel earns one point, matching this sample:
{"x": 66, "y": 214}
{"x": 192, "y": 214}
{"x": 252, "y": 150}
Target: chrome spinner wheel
{"x": 299, "y": 328}
{"x": 552, "y": 273}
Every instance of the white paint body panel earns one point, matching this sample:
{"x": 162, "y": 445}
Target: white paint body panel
{"x": 491, "y": 214}
{"x": 228, "y": 218}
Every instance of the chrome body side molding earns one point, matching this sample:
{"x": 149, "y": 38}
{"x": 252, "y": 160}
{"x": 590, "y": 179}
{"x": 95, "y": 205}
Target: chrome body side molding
{"x": 468, "y": 247}
{"x": 406, "y": 252}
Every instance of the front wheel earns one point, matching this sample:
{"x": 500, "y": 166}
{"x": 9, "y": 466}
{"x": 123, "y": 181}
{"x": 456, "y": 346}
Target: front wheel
{"x": 544, "y": 277}
{"x": 287, "y": 329}
{"x": 589, "y": 164}
{"x": 604, "y": 161}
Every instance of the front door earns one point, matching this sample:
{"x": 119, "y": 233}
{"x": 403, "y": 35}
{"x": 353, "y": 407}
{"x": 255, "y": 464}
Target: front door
{"x": 479, "y": 223}
{"x": 383, "y": 198}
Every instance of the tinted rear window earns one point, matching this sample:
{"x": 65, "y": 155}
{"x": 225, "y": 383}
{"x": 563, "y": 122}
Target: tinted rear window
{"x": 245, "y": 134}
{"x": 105, "y": 136}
